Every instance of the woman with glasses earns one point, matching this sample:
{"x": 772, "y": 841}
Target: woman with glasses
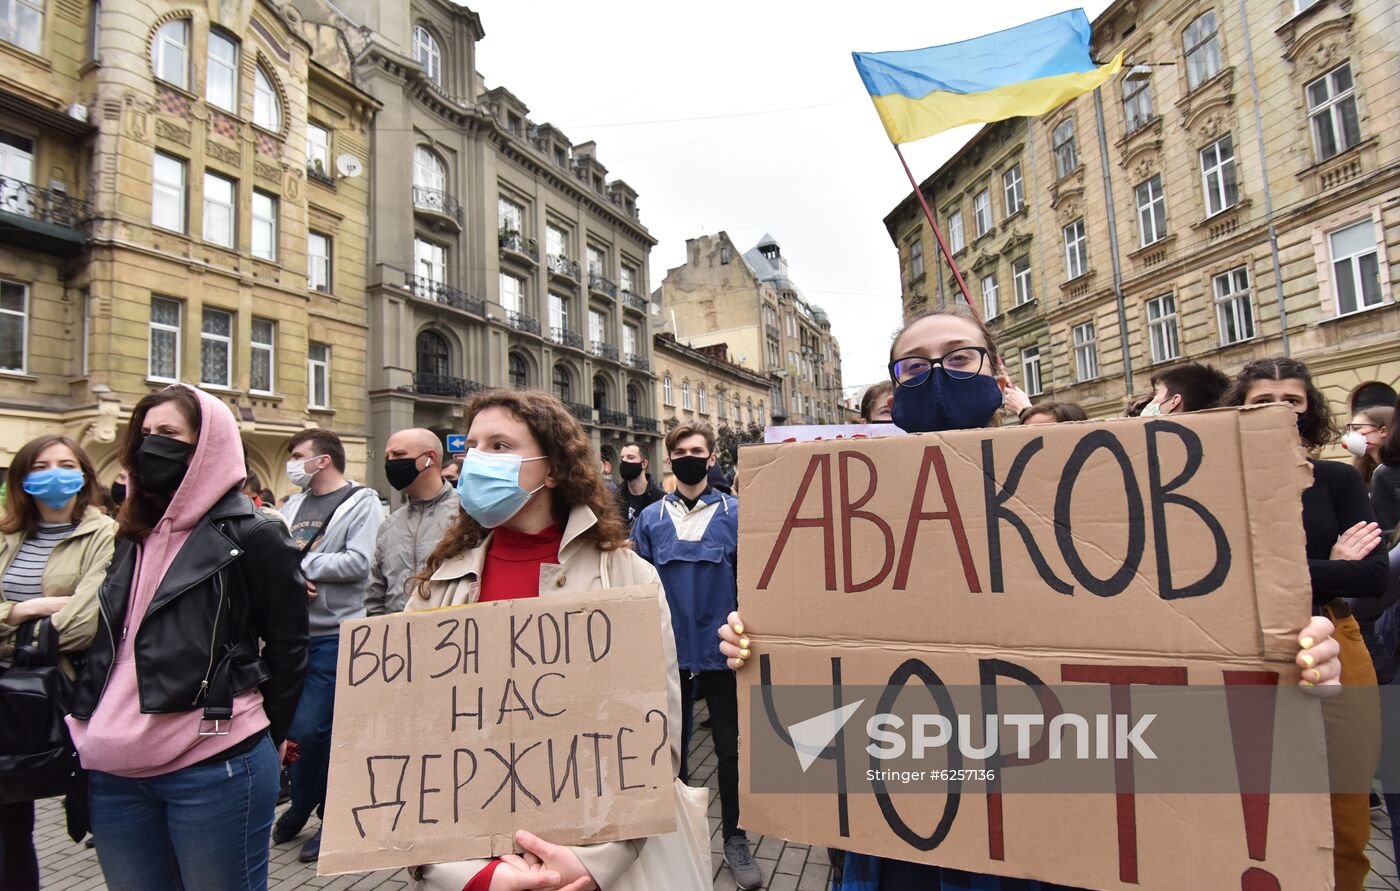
{"x": 1364, "y": 436}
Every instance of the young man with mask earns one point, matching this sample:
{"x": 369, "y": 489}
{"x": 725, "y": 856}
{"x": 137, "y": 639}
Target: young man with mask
{"x": 334, "y": 523}
{"x": 412, "y": 466}
{"x": 637, "y": 491}
{"x": 691, "y": 536}
{"x": 1188, "y": 387}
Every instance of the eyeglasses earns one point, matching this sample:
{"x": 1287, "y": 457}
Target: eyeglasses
{"x": 961, "y": 364}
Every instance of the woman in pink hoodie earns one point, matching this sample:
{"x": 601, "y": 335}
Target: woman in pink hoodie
{"x": 197, "y": 666}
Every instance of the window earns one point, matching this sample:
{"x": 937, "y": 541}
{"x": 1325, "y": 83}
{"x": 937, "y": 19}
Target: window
{"x": 1202, "y": 50}
{"x": 221, "y": 73}
{"x": 554, "y": 242}
{"x": 216, "y": 348}
{"x": 989, "y": 297}
{"x": 262, "y": 356}
{"x": 634, "y": 401}
{"x": 1152, "y": 211}
{"x": 433, "y": 357}
{"x": 762, "y": 415}
{"x": 563, "y": 384}
{"x": 220, "y": 201}
{"x": 1137, "y": 102}
{"x": 1301, "y": 5}
{"x": 318, "y": 149}
{"x": 1014, "y": 188}
{"x": 725, "y": 255}
{"x": 512, "y": 293}
{"x": 1021, "y": 276}
{"x": 685, "y": 395}
{"x": 429, "y": 172}
{"x": 429, "y": 262}
{"x": 1218, "y": 175}
{"x": 1355, "y": 267}
{"x": 1372, "y": 395}
{"x": 1233, "y": 306}
{"x": 427, "y": 54}
{"x": 1161, "y": 328}
{"x": 982, "y": 211}
{"x": 14, "y": 324}
{"x": 511, "y": 216}
{"x": 916, "y": 259}
{"x": 704, "y": 401}
{"x": 318, "y": 375}
{"x": 519, "y": 371}
{"x": 627, "y": 279}
{"x": 956, "y": 242}
{"x": 1030, "y": 371}
{"x": 267, "y": 107}
{"x": 318, "y": 261}
{"x": 629, "y": 340}
{"x": 168, "y": 193}
{"x": 558, "y": 315}
{"x": 170, "y": 53}
{"x": 737, "y": 409}
{"x": 264, "y": 225}
{"x": 164, "y": 362}
{"x": 1332, "y": 109}
{"x": 721, "y": 405}
{"x": 1066, "y": 155}
{"x": 1086, "y": 352}
{"x": 597, "y": 326}
{"x": 1076, "y": 250}
{"x": 595, "y": 261}
{"x": 17, "y": 168}
{"x": 667, "y": 396}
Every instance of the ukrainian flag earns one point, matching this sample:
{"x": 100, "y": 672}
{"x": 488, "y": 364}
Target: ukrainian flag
{"x": 1022, "y": 71}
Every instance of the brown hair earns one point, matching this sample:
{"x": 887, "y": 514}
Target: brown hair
{"x": 1317, "y": 428}
{"x": 1198, "y": 384}
{"x": 1390, "y": 446}
{"x": 872, "y": 397}
{"x": 142, "y": 510}
{"x": 1381, "y": 416}
{"x": 1135, "y": 404}
{"x": 957, "y": 311}
{"x": 696, "y": 428}
{"x": 1060, "y": 411}
{"x": 21, "y": 513}
{"x": 325, "y": 442}
{"x": 569, "y": 451}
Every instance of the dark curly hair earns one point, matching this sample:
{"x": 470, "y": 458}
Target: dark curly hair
{"x": 1317, "y": 429}
{"x": 571, "y": 461}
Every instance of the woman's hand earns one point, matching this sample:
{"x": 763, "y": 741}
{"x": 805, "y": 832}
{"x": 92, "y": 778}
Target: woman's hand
{"x": 1015, "y": 399}
{"x": 733, "y": 643}
{"x": 543, "y": 866}
{"x": 1318, "y": 656}
{"x": 1356, "y": 542}
{"x": 36, "y": 608}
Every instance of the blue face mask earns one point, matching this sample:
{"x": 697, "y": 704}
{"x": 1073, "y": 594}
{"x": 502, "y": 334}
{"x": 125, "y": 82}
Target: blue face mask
{"x": 56, "y": 486}
{"x": 489, "y": 487}
{"x": 943, "y": 403}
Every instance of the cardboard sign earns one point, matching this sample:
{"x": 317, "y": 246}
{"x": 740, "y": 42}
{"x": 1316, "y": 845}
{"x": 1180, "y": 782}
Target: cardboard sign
{"x": 1117, "y": 553}
{"x": 456, "y": 727}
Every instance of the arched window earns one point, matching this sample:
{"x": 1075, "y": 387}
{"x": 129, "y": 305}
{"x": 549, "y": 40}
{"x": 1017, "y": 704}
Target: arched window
{"x": 519, "y": 371}
{"x": 427, "y": 53}
{"x": 1371, "y": 395}
{"x": 634, "y": 400}
{"x": 429, "y": 171}
{"x": 170, "y": 53}
{"x": 667, "y": 394}
{"x": 433, "y": 354}
{"x": 563, "y": 384}
{"x": 600, "y": 392}
{"x": 267, "y": 107}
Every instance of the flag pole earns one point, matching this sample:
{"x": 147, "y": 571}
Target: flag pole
{"x": 942, "y": 245}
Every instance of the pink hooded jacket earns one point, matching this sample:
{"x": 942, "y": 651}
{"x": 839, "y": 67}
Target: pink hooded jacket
{"x": 119, "y": 739}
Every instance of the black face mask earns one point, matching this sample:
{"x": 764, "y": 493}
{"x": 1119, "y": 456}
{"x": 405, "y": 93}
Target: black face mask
{"x": 402, "y": 472}
{"x": 691, "y": 469}
{"x": 160, "y": 464}
{"x": 118, "y": 492}
{"x": 630, "y": 470}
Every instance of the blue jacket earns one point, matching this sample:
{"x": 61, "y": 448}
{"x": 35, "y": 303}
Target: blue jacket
{"x": 696, "y": 553}
{"x": 866, "y": 873}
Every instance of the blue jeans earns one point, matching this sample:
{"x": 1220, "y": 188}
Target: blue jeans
{"x": 202, "y": 827}
{"x": 311, "y": 728}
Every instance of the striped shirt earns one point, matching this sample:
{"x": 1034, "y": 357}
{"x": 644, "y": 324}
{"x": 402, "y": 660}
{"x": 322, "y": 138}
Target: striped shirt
{"x": 24, "y": 579}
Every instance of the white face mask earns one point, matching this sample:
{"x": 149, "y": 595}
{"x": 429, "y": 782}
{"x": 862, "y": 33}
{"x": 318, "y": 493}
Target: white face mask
{"x": 1151, "y": 410}
{"x": 296, "y": 471}
{"x": 1355, "y": 443}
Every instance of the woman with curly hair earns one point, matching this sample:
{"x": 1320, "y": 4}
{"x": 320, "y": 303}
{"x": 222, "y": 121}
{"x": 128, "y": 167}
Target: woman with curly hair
{"x": 537, "y": 520}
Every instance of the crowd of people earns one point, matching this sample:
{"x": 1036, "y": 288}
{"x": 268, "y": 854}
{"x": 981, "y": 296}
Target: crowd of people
{"x": 197, "y": 622}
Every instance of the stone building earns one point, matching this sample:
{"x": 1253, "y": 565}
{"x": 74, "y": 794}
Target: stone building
{"x": 1230, "y": 238}
{"x": 749, "y": 302}
{"x": 502, "y": 254}
{"x": 167, "y": 213}
{"x": 703, "y": 383}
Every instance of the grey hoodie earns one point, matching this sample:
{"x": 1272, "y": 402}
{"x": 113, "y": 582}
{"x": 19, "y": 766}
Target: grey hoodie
{"x": 339, "y": 561}
{"x": 405, "y": 541}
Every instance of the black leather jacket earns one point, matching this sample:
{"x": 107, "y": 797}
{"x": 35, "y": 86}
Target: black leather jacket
{"x": 236, "y": 581}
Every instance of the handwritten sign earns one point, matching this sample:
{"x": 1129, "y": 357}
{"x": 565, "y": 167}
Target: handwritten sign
{"x": 456, "y": 727}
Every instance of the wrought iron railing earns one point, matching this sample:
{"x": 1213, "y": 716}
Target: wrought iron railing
{"x": 519, "y": 244}
{"x": 610, "y": 418}
{"x": 565, "y": 267}
{"x": 602, "y": 284}
{"x": 641, "y": 363}
{"x": 566, "y": 337}
{"x": 444, "y": 385}
{"x": 604, "y": 350}
{"x": 427, "y": 289}
{"x": 643, "y": 424}
{"x": 45, "y": 205}
{"x": 521, "y": 322}
{"x": 437, "y": 201}
{"x": 579, "y": 410}
{"x": 634, "y": 301}
{"x": 319, "y": 173}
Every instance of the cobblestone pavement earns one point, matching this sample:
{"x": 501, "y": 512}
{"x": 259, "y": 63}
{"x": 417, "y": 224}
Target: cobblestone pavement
{"x": 786, "y": 866}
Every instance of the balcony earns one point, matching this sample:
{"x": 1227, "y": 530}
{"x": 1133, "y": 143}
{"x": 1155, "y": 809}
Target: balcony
{"x": 644, "y": 425}
{"x": 604, "y": 350}
{"x": 514, "y": 244}
{"x": 437, "y": 292}
{"x": 579, "y": 410}
{"x": 45, "y": 220}
{"x": 602, "y": 284}
{"x": 317, "y": 172}
{"x": 634, "y": 301}
{"x": 445, "y": 385}
{"x": 609, "y": 418}
{"x": 566, "y": 337}
{"x": 564, "y": 268}
{"x": 771, "y": 329}
{"x": 641, "y": 363}
{"x": 521, "y": 322}
{"x": 439, "y": 208}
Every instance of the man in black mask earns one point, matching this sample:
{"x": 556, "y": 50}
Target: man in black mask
{"x": 413, "y": 466}
{"x": 637, "y": 490}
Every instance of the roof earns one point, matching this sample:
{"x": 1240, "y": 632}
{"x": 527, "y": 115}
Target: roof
{"x": 767, "y": 241}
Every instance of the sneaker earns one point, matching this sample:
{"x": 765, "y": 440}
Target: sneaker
{"x": 1375, "y": 802}
{"x": 284, "y": 788}
{"x": 311, "y": 851}
{"x": 736, "y": 854}
{"x": 288, "y": 826}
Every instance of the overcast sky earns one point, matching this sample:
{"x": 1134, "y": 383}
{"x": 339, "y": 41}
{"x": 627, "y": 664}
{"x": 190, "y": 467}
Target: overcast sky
{"x": 747, "y": 117}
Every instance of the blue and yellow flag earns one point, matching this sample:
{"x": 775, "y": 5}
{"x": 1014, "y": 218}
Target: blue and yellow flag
{"x": 1026, "y": 70}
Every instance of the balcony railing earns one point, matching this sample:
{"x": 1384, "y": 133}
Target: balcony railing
{"x": 318, "y": 172}
{"x": 609, "y": 418}
{"x": 566, "y": 337}
{"x": 42, "y": 219}
{"x": 643, "y": 424}
{"x": 426, "y": 384}
{"x": 579, "y": 410}
{"x": 427, "y": 289}
{"x": 565, "y": 267}
{"x": 437, "y": 201}
{"x": 602, "y": 284}
{"x": 521, "y": 322}
{"x": 634, "y": 301}
{"x": 604, "y": 350}
{"x": 771, "y": 329}
{"x": 516, "y": 243}
{"x": 641, "y": 363}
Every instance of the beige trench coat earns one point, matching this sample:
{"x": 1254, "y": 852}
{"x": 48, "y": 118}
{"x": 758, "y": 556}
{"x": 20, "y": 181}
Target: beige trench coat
{"x": 582, "y": 566}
